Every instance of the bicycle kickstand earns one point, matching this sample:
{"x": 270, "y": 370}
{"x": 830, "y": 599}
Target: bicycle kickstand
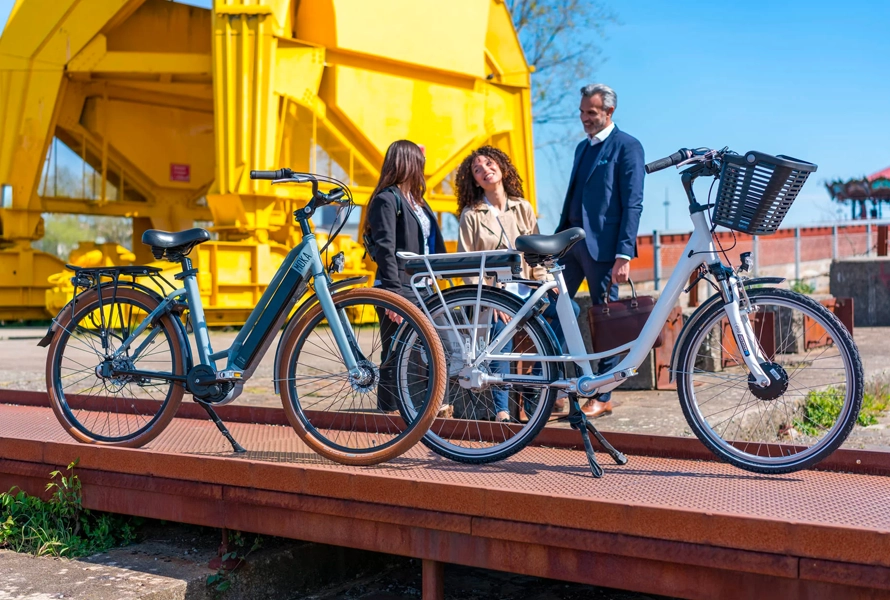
{"x": 221, "y": 426}
{"x": 579, "y": 421}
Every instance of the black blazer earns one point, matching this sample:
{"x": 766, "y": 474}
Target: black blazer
{"x": 392, "y": 234}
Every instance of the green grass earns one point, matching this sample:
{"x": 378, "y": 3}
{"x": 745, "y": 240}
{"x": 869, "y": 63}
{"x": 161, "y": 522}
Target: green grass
{"x": 60, "y": 526}
{"x": 822, "y": 407}
{"x": 802, "y": 287}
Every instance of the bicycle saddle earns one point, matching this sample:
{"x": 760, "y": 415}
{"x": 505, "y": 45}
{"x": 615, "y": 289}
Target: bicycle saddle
{"x": 173, "y": 246}
{"x": 549, "y": 245}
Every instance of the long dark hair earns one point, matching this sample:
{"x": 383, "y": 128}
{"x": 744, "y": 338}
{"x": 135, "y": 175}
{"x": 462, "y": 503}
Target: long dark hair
{"x": 403, "y": 164}
{"x": 468, "y": 191}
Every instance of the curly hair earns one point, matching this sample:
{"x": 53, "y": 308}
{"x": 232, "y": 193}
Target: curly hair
{"x": 468, "y": 191}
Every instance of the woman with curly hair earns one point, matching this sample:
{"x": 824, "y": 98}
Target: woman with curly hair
{"x": 493, "y": 214}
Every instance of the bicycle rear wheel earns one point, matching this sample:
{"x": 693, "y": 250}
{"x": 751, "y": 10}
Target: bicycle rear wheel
{"x": 346, "y": 418}
{"x": 117, "y": 410}
{"x": 808, "y": 410}
{"x": 473, "y": 435}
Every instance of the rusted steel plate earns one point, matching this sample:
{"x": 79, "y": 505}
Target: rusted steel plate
{"x": 828, "y": 516}
{"x": 662, "y": 355}
{"x": 867, "y": 462}
{"x": 651, "y": 566}
{"x": 552, "y": 550}
{"x": 814, "y": 335}
{"x": 845, "y": 574}
{"x": 843, "y": 310}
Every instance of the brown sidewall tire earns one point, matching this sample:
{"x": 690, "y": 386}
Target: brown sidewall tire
{"x": 86, "y": 301}
{"x": 420, "y": 425}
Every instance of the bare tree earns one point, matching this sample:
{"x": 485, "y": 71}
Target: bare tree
{"x": 561, "y": 41}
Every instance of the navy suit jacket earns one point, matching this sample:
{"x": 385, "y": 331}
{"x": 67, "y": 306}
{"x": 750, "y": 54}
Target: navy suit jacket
{"x": 612, "y": 196}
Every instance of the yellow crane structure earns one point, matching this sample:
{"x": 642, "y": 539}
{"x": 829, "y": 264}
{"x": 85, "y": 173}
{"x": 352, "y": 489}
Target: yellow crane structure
{"x": 170, "y": 106}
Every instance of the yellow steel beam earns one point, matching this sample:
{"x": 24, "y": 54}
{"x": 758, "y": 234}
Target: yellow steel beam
{"x": 171, "y": 102}
{"x": 39, "y": 39}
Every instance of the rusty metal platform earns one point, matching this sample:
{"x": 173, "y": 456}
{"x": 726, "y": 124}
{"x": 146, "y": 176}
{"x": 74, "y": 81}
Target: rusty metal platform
{"x": 686, "y": 528}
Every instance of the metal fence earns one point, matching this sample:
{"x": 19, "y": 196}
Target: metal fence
{"x": 659, "y": 252}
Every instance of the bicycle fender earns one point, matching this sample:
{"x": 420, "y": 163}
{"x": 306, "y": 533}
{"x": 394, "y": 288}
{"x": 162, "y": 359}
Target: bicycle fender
{"x": 47, "y": 339}
{"x": 693, "y": 320}
{"x": 298, "y": 314}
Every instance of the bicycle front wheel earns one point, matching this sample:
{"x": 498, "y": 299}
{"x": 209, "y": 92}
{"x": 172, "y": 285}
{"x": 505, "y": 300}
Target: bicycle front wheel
{"x": 353, "y": 419}
{"x": 806, "y": 412}
{"x": 92, "y": 402}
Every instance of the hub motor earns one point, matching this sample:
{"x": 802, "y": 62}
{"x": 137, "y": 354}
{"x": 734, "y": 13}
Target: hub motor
{"x": 778, "y": 382}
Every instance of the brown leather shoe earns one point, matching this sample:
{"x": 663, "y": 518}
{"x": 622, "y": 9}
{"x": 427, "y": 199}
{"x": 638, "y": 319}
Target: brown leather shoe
{"x": 594, "y": 409}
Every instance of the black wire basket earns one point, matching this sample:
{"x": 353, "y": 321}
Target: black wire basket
{"x": 756, "y": 190}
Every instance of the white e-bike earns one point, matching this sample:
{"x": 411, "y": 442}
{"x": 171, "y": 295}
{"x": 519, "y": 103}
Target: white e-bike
{"x": 768, "y": 379}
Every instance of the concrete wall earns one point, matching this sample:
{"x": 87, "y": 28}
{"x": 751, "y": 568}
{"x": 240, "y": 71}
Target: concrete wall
{"x": 867, "y": 281}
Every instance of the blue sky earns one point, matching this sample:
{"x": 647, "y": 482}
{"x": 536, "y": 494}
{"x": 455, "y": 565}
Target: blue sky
{"x": 804, "y": 78}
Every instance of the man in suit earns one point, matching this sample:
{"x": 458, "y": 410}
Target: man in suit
{"x": 605, "y": 197}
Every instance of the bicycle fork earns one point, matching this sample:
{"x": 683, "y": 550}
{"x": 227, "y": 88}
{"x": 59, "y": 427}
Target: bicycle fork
{"x": 742, "y": 331}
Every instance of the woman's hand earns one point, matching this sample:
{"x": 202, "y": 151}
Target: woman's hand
{"x": 501, "y": 316}
{"x": 393, "y": 316}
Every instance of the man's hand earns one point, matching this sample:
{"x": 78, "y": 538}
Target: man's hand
{"x": 394, "y": 316}
{"x": 621, "y": 270}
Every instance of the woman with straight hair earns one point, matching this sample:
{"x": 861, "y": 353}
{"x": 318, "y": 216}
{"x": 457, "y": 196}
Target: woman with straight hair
{"x": 399, "y": 219}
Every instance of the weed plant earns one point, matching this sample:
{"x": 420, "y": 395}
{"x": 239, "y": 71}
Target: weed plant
{"x": 230, "y": 561}
{"x": 60, "y": 526}
{"x": 802, "y": 287}
{"x": 822, "y": 407}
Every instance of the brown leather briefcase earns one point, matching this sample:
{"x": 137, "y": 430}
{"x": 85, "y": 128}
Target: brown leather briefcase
{"x": 614, "y": 324}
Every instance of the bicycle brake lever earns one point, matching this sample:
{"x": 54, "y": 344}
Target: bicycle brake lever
{"x": 697, "y": 158}
{"x": 296, "y": 179}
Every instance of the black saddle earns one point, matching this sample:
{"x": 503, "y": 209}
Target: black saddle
{"x": 542, "y": 248}
{"x": 456, "y": 262}
{"x": 173, "y": 246}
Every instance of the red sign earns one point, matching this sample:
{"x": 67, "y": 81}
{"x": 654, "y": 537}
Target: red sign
{"x": 180, "y": 172}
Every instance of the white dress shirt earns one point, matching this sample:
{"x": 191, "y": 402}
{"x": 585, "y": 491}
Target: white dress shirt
{"x": 595, "y": 139}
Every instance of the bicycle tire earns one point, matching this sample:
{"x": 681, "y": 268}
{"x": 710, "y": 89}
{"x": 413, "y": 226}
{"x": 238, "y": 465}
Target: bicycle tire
{"x": 734, "y": 451}
{"x": 301, "y": 417}
{"x": 474, "y": 451}
{"x": 75, "y": 419}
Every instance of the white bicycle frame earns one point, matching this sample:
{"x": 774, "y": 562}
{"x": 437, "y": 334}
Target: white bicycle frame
{"x": 699, "y": 250}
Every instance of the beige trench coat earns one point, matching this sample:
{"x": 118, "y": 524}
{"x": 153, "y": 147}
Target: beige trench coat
{"x": 479, "y": 230}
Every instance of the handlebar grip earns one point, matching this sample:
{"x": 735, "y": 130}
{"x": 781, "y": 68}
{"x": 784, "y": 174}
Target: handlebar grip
{"x": 335, "y": 194}
{"x": 668, "y": 161}
{"x": 279, "y": 174}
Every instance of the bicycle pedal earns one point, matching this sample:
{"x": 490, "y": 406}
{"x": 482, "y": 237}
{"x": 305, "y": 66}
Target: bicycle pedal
{"x": 229, "y": 375}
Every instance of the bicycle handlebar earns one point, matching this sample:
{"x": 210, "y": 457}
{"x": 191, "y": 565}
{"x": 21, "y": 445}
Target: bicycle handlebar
{"x": 669, "y": 161}
{"x": 279, "y": 174}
